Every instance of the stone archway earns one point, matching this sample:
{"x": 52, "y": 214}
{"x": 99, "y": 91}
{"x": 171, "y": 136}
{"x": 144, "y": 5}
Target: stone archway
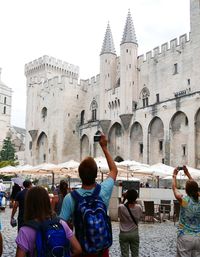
{"x": 85, "y": 148}
{"x": 136, "y": 142}
{"x": 42, "y": 152}
{"x": 97, "y": 151}
{"x": 156, "y": 141}
{"x": 197, "y": 139}
{"x": 118, "y": 159}
{"x": 179, "y": 132}
{"x": 115, "y": 138}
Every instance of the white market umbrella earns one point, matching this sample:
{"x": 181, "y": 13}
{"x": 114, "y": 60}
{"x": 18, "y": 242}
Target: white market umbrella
{"x": 162, "y": 170}
{"x": 17, "y": 180}
{"x": 8, "y": 169}
{"x": 24, "y": 167}
{"x": 102, "y": 164}
{"x": 45, "y": 166}
{"x": 195, "y": 173}
{"x": 69, "y": 165}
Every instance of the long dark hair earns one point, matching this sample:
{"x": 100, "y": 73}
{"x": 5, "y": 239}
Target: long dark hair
{"x": 192, "y": 189}
{"x": 37, "y": 204}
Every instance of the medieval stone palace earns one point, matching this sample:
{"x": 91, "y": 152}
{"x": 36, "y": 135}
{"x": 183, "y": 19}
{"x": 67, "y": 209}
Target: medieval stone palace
{"x": 148, "y": 105}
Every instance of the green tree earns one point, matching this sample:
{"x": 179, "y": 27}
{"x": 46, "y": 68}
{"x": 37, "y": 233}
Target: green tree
{"x": 7, "y": 152}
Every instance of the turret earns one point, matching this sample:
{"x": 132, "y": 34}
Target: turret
{"x": 107, "y": 71}
{"x": 195, "y": 19}
{"x": 128, "y": 68}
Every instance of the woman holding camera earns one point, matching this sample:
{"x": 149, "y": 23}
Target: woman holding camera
{"x": 188, "y": 238}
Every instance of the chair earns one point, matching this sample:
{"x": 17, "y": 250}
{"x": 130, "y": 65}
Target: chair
{"x": 165, "y": 208}
{"x": 176, "y": 211}
{"x": 149, "y": 211}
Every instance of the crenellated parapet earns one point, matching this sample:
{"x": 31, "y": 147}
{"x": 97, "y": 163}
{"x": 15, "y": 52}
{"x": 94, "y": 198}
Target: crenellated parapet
{"x": 93, "y": 81}
{"x": 175, "y": 45}
{"x": 47, "y": 63}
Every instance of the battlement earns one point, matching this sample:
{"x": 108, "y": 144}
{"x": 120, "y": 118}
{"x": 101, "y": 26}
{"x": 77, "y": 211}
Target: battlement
{"x": 175, "y": 44}
{"x": 93, "y": 81}
{"x": 90, "y": 82}
{"x": 46, "y": 62}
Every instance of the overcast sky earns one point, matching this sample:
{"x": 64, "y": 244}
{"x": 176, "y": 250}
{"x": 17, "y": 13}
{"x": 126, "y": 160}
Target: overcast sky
{"x": 73, "y": 31}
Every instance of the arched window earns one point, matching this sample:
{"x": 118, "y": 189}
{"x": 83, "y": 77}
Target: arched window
{"x": 93, "y": 108}
{"x": 145, "y": 96}
{"x": 82, "y": 117}
{"x": 44, "y": 113}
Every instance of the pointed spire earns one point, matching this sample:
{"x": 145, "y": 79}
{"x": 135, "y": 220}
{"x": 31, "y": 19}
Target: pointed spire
{"x": 129, "y": 31}
{"x": 108, "y": 44}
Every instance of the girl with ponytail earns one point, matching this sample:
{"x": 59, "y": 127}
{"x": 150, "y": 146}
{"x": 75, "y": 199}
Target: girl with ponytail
{"x": 188, "y": 238}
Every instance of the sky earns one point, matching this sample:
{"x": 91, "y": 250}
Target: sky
{"x": 73, "y": 31}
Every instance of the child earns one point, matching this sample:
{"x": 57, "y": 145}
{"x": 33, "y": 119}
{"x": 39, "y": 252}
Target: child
{"x": 38, "y": 208}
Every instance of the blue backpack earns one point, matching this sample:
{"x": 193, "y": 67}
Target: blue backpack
{"x": 51, "y": 238}
{"x": 92, "y": 224}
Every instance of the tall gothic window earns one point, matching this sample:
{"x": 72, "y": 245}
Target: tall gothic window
{"x": 44, "y": 113}
{"x": 82, "y": 117}
{"x": 93, "y": 108}
{"x": 145, "y": 96}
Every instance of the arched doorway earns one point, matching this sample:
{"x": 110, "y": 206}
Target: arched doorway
{"x": 42, "y": 148}
{"x": 115, "y": 137}
{"x": 85, "y": 149}
{"x": 118, "y": 159}
{"x": 179, "y": 131}
{"x": 156, "y": 141}
{"x": 136, "y": 142}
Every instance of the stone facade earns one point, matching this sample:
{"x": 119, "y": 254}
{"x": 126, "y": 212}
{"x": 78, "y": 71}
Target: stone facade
{"x": 148, "y": 106}
{"x": 17, "y": 136}
{"x": 5, "y": 110}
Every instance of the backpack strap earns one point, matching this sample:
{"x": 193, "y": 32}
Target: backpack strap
{"x": 37, "y": 225}
{"x": 77, "y": 197}
{"x": 96, "y": 190}
{"x": 32, "y": 224}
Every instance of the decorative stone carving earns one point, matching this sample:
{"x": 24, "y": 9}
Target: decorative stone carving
{"x": 105, "y": 124}
{"x": 33, "y": 134}
{"x": 126, "y": 119}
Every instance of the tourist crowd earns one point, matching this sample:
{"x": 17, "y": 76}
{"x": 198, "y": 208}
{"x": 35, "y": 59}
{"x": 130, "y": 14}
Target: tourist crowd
{"x": 76, "y": 223}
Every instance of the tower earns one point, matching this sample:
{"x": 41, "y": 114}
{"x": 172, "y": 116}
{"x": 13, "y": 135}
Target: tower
{"x": 128, "y": 71}
{"x": 107, "y": 71}
{"x": 195, "y": 19}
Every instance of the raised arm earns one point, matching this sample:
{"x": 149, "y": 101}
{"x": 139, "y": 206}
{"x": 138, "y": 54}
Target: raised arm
{"x": 187, "y": 172}
{"x": 177, "y": 194}
{"x": 111, "y": 164}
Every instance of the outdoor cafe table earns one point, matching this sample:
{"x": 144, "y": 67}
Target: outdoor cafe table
{"x": 159, "y": 210}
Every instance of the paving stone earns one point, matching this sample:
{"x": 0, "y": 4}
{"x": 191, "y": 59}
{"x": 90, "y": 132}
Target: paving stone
{"x": 156, "y": 240}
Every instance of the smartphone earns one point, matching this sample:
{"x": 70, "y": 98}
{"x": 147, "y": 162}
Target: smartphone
{"x": 180, "y": 168}
{"x": 97, "y": 138}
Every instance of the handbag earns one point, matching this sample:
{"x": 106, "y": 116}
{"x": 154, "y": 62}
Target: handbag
{"x": 131, "y": 214}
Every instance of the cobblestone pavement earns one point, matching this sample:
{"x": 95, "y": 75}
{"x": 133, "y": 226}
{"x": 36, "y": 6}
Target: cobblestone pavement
{"x": 156, "y": 240}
